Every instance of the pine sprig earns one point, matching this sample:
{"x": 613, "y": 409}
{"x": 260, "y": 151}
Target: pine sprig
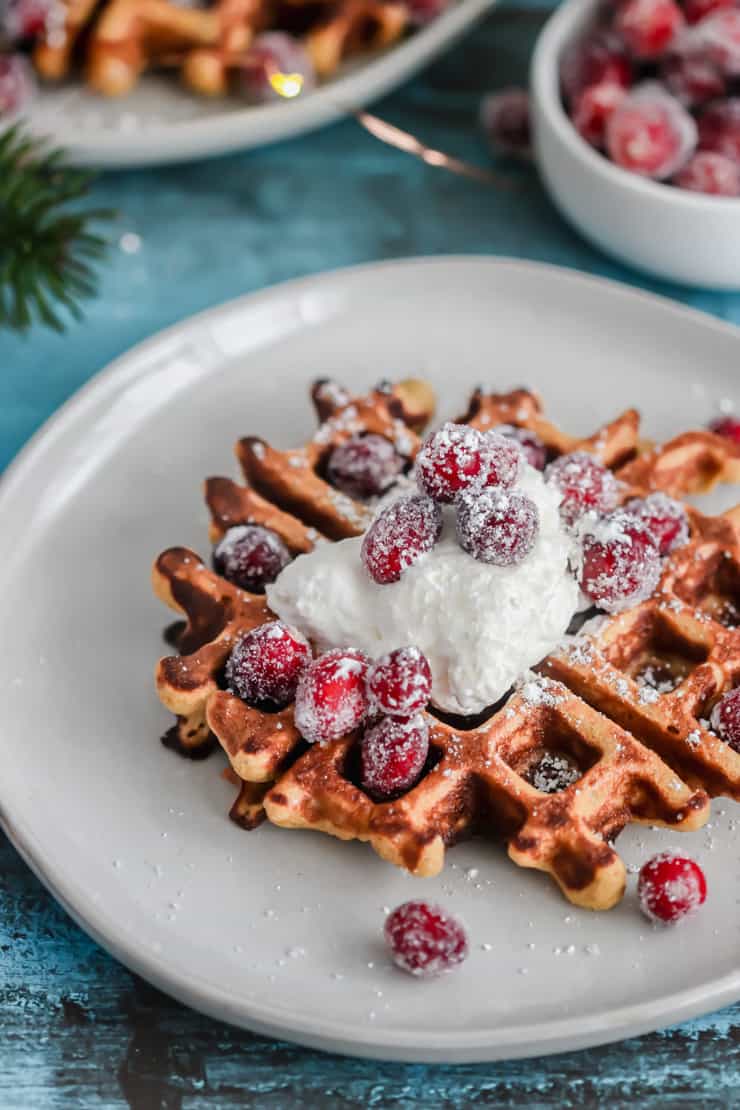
{"x": 47, "y": 250}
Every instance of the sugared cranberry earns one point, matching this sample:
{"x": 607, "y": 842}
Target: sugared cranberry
{"x": 503, "y": 459}
{"x": 450, "y": 461}
{"x": 585, "y": 484}
{"x": 648, "y": 27}
{"x": 17, "y": 83}
{"x": 276, "y": 67}
{"x": 422, "y": 12}
{"x": 719, "y": 128}
{"x": 593, "y": 108}
{"x": 27, "y": 19}
{"x": 535, "y": 451}
{"x": 670, "y": 888}
{"x": 710, "y": 173}
{"x": 266, "y": 663}
{"x": 250, "y": 556}
{"x": 392, "y": 756}
{"x": 554, "y": 772}
{"x": 425, "y": 939}
{"x": 650, "y": 133}
{"x": 364, "y": 466}
{"x": 400, "y": 683}
{"x": 597, "y": 59}
{"x": 727, "y": 426}
{"x": 726, "y": 719}
{"x": 331, "y": 699}
{"x": 497, "y": 526}
{"x": 664, "y": 518}
{"x": 694, "y": 10}
{"x": 504, "y": 117}
{"x": 620, "y": 562}
{"x": 399, "y": 536}
{"x": 719, "y": 36}
{"x": 692, "y": 78}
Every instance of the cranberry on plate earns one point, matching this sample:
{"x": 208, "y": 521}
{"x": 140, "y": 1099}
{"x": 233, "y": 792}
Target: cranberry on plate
{"x": 364, "y": 466}
{"x": 535, "y": 451}
{"x": 670, "y": 888}
{"x": 728, "y": 427}
{"x": 400, "y": 683}
{"x": 392, "y": 756}
{"x": 497, "y": 526}
{"x": 425, "y": 939}
{"x": 620, "y": 563}
{"x": 504, "y": 117}
{"x": 665, "y": 518}
{"x": 399, "y": 536}
{"x": 585, "y": 485}
{"x": 266, "y": 663}
{"x": 250, "y": 556}
{"x": 725, "y": 719}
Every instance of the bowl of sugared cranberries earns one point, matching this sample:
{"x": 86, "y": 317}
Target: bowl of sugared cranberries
{"x": 636, "y": 121}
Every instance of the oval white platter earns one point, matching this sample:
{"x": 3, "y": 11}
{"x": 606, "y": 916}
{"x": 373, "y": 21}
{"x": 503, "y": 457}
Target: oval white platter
{"x": 281, "y": 931}
{"x": 160, "y": 122}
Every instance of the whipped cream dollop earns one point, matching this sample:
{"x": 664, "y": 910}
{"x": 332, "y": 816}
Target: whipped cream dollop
{"x": 480, "y": 626}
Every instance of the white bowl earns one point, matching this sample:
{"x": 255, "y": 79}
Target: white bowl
{"x": 671, "y": 233}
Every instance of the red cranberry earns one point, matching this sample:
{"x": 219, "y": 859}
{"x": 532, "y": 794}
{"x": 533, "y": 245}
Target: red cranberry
{"x": 585, "y": 484}
{"x": 665, "y": 519}
{"x": 392, "y": 756}
{"x": 364, "y": 466}
{"x": 450, "y": 461}
{"x": 692, "y": 78}
{"x": 503, "y": 459}
{"x": 719, "y": 128}
{"x": 719, "y": 36}
{"x": 593, "y": 108}
{"x": 277, "y": 67}
{"x": 726, "y": 719}
{"x": 505, "y": 121}
{"x": 727, "y": 426}
{"x": 598, "y": 59}
{"x": 694, "y": 10}
{"x": 554, "y": 772}
{"x": 670, "y": 888}
{"x": 425, "y": 939}
{"x": 17, "y": 83}
{"x": 422, "y": 12}
{"x": 250, "y": 556}
{"x": 650, "y": 133}
{"x": 497, "y": 526}
{"x": 400, "y": 683}
{"x": 27, "y": 19}
{"x": 620, "y": 565}
{"x": 266, "y": 663}
{"x": 710, "y": 173}
{"x": 648, "y": 27}
{"x": 535, "y": 451}
{"x": 399, "y": 536}
{"x": 331, "y": 700}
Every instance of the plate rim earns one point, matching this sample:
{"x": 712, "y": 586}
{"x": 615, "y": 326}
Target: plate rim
{"x": 524, "y": 1039}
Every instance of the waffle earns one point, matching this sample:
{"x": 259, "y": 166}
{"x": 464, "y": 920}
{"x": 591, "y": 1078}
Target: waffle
{"x": 218, "y": 612}
{"x": 121, "y": 39}
{"x": 635, "y": 755}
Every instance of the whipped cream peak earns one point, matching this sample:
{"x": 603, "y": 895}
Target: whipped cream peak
{"x": 480, "y": 626}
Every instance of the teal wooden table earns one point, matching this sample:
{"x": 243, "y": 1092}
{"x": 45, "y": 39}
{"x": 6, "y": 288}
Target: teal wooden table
{"x": 76, "y": 1029}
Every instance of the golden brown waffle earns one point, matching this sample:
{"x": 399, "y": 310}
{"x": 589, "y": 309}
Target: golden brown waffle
{"x": 635, "y": 763}
{"x": 121, "y": 39}
{"x": 216, "y": 611}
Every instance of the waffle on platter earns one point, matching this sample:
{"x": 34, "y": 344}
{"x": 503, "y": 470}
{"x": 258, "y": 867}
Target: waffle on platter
{"x": 623, "y": 706}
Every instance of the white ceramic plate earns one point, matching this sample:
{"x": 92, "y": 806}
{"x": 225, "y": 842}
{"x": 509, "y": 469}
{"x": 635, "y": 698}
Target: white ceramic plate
{"x": 276, "y": 930}
{"x": 160, "y": 122}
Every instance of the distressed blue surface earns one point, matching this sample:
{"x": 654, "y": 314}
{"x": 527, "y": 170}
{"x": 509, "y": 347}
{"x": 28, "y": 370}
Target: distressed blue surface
{"x": 77, "y": 1029}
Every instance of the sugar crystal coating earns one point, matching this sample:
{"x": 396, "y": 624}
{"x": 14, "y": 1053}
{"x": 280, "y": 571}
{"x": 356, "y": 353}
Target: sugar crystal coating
{"x": 364, "y": 466}
{"x": 400, "y": 683}
{"x": 534, "y": 450}
{"x": 670, "y": 888}
{"x": 266, "y": 663}
{"x": 594, "y": 59}
{"x": 620, "y": 562}
{"x": 392, "y": 756}
{"x": 650, "y": 133}
{"x": 250, "y": 556}
{"x": 497, "y": 526}
{"x": 584, "y": 483}
{"x": 449, "y": 461}
{"x": 331, "y": 699}
{"x": 648, "y": 27}
{"x": 399, "y": 536}
{"x": 664, "y": 517}
{"x": 425, "y": 939}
